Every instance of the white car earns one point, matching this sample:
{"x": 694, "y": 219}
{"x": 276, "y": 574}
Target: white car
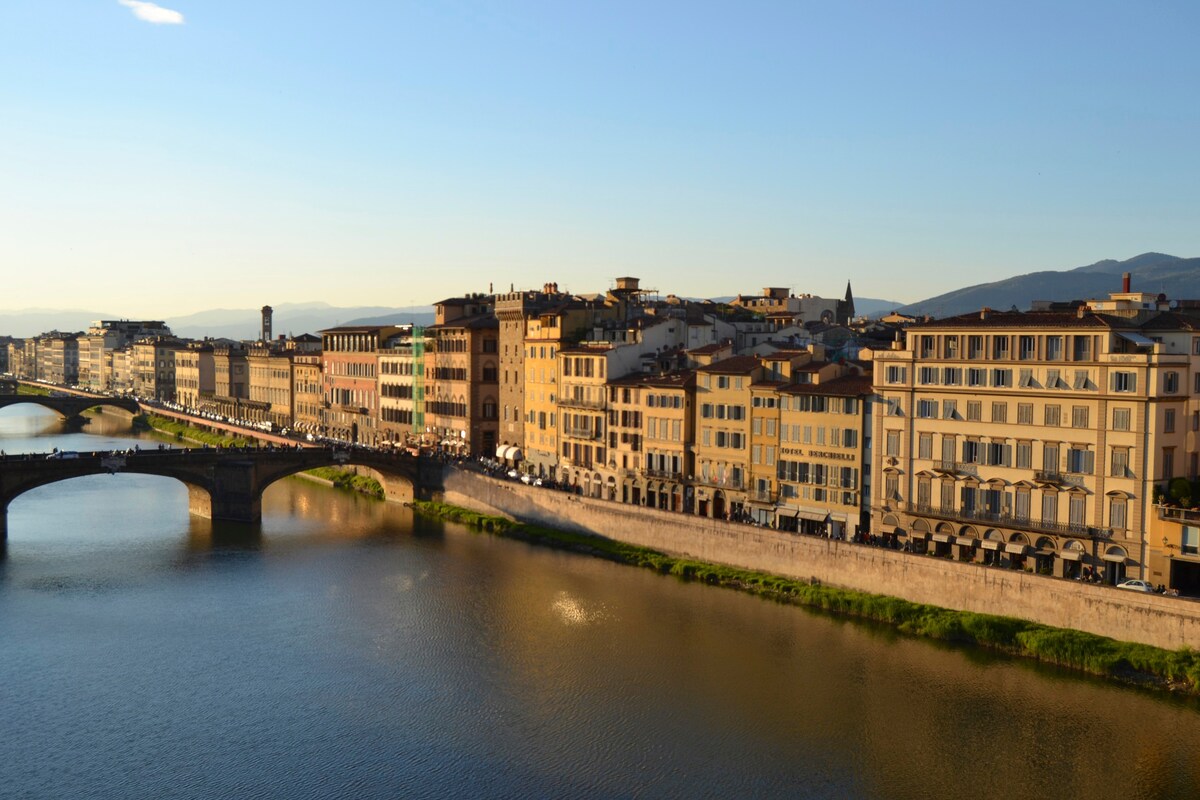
{"x": 1137, "y": 586}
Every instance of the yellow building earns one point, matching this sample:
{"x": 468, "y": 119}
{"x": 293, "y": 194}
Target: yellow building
{"x": 722, "y": 446}
{"x": 822, "y": 467}
{"x": 1034, "y": 440}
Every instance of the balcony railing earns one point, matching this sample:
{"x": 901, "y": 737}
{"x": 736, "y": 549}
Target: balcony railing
{"x": 581, "y": 433}
{"x": 579, "y": 402}
{"x": 722, "y": 483}
{"x": 1191, "y": 515}
{"x": 667, "y": 474}
{"x": 1008, "y": 521}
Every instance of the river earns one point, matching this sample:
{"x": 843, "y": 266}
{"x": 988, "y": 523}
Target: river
{"x": 346, "y": 649}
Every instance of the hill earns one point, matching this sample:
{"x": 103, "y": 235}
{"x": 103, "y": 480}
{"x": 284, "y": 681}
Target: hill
{"x": 1152, "y": 272}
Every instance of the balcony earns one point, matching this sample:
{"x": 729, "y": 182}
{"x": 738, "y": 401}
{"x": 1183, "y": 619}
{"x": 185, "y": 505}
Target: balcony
{"x": 956, "y": 467}
{"x": 581, "y": 433}
{"x": 722, "y": 483}
{"x": 663, "y": 474}
{"x": 577, "y": 402}
{"x": 1007, "y": 521}
{"x": 1187, "y": 515}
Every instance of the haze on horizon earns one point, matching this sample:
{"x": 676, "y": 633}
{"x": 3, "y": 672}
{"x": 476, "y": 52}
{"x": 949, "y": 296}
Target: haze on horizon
{"x": 167, "y": 158}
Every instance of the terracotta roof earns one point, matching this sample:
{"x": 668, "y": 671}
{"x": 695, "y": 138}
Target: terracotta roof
{"x": 684, "y": 379}
{"x": 733, "y": 365}
{"x": 848, "y": 386}
{"x": 707, "y": 348}
{"x": 1026, "y": 319}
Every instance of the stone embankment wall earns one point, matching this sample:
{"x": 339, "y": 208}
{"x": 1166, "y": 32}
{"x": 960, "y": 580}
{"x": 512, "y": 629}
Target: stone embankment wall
{"x": 1166, "y": 622}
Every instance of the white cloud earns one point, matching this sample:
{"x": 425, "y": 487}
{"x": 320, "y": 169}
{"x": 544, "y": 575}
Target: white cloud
{"x": 150, "y": 12}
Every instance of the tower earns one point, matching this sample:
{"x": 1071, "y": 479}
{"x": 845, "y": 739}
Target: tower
{"x": 266, "y": 323}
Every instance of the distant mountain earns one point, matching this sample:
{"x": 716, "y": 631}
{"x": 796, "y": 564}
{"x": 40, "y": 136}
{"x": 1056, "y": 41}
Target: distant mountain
{"x": 292, "y": 319}
{"x": 874, "y": 307}
{"x": 33, "y": 321}
{"x": 1152, "y": 272}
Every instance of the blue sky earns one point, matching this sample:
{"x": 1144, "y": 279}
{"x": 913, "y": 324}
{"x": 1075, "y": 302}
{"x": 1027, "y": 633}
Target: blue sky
{"x": 394, "y": 153}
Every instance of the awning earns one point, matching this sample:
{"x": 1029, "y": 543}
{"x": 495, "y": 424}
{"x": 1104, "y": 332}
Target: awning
{"x": 515, "y": 454}
{"x": 1071, "y": 555}
{"x": 990, "y": 544}
{"x": 1116, "y": 558}
{"x": 1135, "y": 338}
{"x": 813, "y": 516}
{"x": 837, "y": 517}
{"x": 500, "y": 451}
{"x": 941, "y": 537}
{"x": 966, "y": 541}
{"x": 1015, "y": 549}
{"x": 919, "y": 534}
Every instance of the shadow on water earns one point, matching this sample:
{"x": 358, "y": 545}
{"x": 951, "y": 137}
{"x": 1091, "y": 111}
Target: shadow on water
{"x": 207, "y": 536}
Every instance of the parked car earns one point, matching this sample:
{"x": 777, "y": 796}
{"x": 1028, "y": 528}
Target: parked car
{"x": 1137, "y": 586}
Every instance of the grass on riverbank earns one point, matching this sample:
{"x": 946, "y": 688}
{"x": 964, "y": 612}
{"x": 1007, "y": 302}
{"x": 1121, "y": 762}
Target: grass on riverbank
{"x": 24, "y": 388}
{"x": 181, "y": 431}
{"x": 344, "y": 479}
{"x": 1098, "y": 655}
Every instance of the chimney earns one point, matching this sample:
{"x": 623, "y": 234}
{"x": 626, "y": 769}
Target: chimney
{"x": 1125, "y": 282}
{"x": 983, "y": 312}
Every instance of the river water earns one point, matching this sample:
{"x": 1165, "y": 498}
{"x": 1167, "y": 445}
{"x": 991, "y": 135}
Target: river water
{"x": 346, "y": 649}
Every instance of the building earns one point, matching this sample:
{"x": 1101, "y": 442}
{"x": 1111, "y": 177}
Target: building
{"x": 152, "y": 367}
{"x": 401, "y": 373}
{"x": 307, "y": 392}
{"x": 650, "y": 434}
{"x": 195, "y": 375}
{"x": 269, "y": 366}
{"x": 349, "y": 378}
{"x": 514, "y": 310}
{"x": 462, "y": 367}
{"x": 231, "y": 380}
{"x": 1036, "y": 440}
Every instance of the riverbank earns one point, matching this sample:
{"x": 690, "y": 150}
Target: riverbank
{"x": 1126, "y": 662}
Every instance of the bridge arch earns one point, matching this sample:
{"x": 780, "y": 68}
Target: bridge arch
{"x": 71, "y": 406}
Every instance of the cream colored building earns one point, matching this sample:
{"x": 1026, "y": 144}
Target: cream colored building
{"x": 1035, "y": 440}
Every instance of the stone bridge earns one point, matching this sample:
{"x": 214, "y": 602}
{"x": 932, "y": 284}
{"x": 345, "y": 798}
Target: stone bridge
{"x": 70, "y": 407}
{"x": 223, "y": 484}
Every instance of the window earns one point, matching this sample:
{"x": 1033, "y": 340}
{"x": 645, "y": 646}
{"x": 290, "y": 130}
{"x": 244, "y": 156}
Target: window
{"x": 1002, "y": 377}
{"x": 952, "y": 376}
{"x": 1053, "y": 381}
{"x": 1024, "y": 413}
{"x": 1024, "y": 455}
{"x": 1170, "y": 382}
{"x": 999, "y": 412}
{"x": 1053, "y": 416}
{"x": 952, "y": 346}
{"x": 927, "y": 409}
{"x": 925, "y": 445}
{"x": 1050, "y": 508}
{"x": 1082, "y": 381}
{"x": 1054, "y": 348}
{"x": 924, "y": 486}
{"x": 970, "y": 451}
{"x": 1190, "y": 544}
{"x": 895, "y": 374}
{"x": 893, "y": 443}
{"x": 1120, "y": 462}
{"x": 1076, "y": 509}
{"x": 974, "y": 347}
{"x": 1026, "y": 381}
{"x": 999, "y": 454}
{"x": 974, "y": 410}
{"x": 929, "y": 376}
{"x": 1168, "y": 463}
{"x": 1169, "y": 420}
{"x": 1079, "y": 460}
{"x": 1021, "y": 510}
{"x": 1124, "y": 381}
{"x": 1082, "y": 348}
{"x": 1000, "y": 348}
{"x": 1120, "y": 419}
{"x": 1050, "y": 457}
{"x": 1079, "y": 416}
{"x": 891, "y": 484}
{"x": 950, "y": 409}
{"x": 976, "y": 377}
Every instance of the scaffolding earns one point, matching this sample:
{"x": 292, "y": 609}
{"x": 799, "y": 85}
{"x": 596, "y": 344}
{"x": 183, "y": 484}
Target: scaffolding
{"x": 418, "y": 372}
